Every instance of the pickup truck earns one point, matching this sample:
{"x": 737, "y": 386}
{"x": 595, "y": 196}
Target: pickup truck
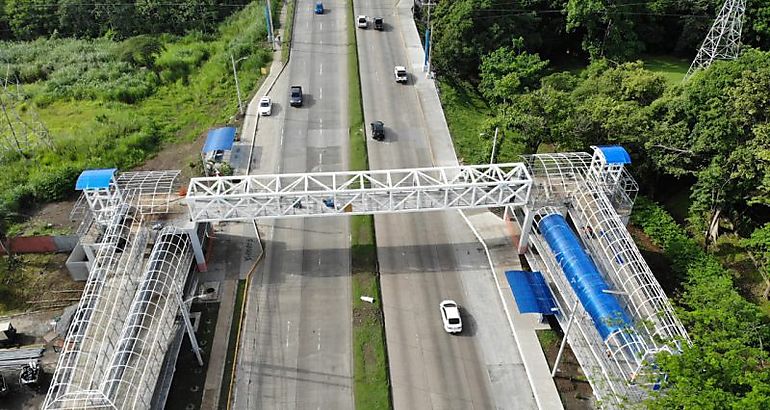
{"x": 399, "y": 72}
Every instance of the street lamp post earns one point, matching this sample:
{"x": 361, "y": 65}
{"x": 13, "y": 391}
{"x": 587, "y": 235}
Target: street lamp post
{"x": 237, "y": 86}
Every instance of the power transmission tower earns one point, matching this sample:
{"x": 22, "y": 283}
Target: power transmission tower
{"x": 723, "y": 41}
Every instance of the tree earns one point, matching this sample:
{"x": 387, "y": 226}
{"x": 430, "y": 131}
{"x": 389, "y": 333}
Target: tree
{"x": 609, "y": 29}
{"x": 715, "y": 127}
{"x": 77, "y": 20}
{"x": 29, "y": 19}
{"x": 510, "y": 70}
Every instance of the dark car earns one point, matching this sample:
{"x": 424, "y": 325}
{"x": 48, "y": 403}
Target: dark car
{"x": 378, "y": 130}
{"x": 378, "y": 23}
{"x": 319, "y": 8}
{"x": 295, "y": 98}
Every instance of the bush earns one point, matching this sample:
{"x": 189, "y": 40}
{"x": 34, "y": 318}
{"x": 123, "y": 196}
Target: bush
{"x": 54, "y": 183}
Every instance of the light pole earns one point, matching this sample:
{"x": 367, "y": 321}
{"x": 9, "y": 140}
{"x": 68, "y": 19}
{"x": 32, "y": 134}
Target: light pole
{"x": 237, "y": 86}
{"x": 494, "y": 145}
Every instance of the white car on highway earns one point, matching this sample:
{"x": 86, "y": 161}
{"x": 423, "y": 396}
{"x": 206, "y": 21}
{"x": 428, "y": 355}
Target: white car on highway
{"x": 362, "y": 22}
{"x": 265, "y": 106}
{"x": 450, "y": 316}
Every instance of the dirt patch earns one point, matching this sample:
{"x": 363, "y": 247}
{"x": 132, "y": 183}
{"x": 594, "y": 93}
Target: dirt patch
{"x": 48, "y": 219}
{"x": 176, "y": 155}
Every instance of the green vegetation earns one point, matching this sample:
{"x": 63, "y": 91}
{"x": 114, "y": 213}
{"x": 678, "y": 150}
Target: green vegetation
{"x": 98, "y": 103}
{"x": 359, "y": 159}
{"x": 288, "y": 31}
{"x": 673, "y": 69}
{"x": 371, "y": 385}
{"x": 31, "y": 19}
{"x": 725, "y": 366}
{"x": 467, "y": 114}
{"x": 370, "y": 374}
{"x": 226, "y": 388}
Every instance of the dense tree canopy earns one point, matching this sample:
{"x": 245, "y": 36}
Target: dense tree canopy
{"x": 30, "y": 19}
{"x": 467, "y": 30}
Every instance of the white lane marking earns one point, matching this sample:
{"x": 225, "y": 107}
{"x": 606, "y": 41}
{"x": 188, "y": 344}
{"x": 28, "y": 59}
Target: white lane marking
{"x": 322, "y": 26}
{"x": 281, "y": 143}
{"x": 320, "y": 161}
{"x": 288, "y": 328}
{"x": 320, "y": 93}
{"x": 319, "y": 339}
{"x": 322, "y": 41}
{"x": 321, "y": 69}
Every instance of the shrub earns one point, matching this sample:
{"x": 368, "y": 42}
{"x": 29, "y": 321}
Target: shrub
{"x": 54, "y": 183}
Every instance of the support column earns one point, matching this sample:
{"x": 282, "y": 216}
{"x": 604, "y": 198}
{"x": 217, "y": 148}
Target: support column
{"x": 190, "y": 332}
{"x": 526, "y": 227}
{"x": 564, "y": 340}
{"x": 192, "y": 230}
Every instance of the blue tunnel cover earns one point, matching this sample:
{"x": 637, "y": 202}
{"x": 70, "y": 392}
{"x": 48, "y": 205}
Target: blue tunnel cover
{"x": 584, "y": 276}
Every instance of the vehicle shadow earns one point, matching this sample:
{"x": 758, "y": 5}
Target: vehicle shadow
{"x": 470, "y": 325}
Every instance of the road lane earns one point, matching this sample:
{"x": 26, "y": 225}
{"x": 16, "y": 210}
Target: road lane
{"x": 296, "y": 344}
{"x": 427, "y": 257}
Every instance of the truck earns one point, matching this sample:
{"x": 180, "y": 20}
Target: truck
{"x": 399, "y": 72}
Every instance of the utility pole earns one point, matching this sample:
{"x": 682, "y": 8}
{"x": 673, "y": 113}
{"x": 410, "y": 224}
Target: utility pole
{"x": 494, "y": 145}
{"x": 723, "y": 41}
{"x": 428, "y": 32}
{"x": 237, "y": 86}
{"x": 269, "y": 17}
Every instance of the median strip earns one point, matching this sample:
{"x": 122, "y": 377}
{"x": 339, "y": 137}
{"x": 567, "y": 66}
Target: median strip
{"x": 371, "y": 382}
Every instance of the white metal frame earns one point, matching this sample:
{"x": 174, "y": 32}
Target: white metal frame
{"x": 249, "y": 197}
{"x": 155, "y": 189}
{"x": 130, "y": 380}
{"x": 102, "y": 310}
{"x": 723, "y": 41}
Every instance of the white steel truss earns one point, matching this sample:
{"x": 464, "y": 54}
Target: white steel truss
{"x": 248, "y": 197}
{"x": 723, "y": 41}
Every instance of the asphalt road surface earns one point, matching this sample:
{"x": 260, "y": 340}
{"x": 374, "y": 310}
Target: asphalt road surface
{"x": 296, "y": 344}
{"x": 427, "y": 257}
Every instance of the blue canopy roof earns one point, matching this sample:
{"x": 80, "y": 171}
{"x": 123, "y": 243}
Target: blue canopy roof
{"x": 531, "y": 292}
{"x": 95, "y": 178}
{"x": 615, "y": 154}
{"x": 219, "y": 139}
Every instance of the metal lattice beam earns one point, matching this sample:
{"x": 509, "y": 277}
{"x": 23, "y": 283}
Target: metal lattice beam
{"x": 723, "y": 42}
{"x": 249, "y": 197}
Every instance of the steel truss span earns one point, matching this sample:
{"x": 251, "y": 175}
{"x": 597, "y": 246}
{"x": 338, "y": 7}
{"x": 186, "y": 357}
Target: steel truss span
{"x": 248, "y": 197}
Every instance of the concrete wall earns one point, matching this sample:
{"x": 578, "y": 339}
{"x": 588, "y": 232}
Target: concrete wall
{"x": 42, "y": 244}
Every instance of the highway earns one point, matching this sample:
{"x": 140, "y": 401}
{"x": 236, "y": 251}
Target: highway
{"x": 427, "y": 257}
{"x": 295, "y": 349}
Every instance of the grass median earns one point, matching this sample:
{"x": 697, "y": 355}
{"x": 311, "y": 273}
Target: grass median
{"x": 288, "y": 31}
{"x": 371, "y": 384}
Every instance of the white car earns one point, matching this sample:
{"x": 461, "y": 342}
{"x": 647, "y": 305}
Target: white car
{"x": 265, "y": 106}
{"x": 450, "y": 316}
{"x": 399, "y": 72}
{"x": 362, "y": 22}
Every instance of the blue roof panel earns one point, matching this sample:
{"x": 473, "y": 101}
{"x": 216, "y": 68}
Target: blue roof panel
{"x": 615, "y": 154}
{"x": 531, "y": 292}
{"x": 95, "y": 178}
{"x": 219, "y": 139}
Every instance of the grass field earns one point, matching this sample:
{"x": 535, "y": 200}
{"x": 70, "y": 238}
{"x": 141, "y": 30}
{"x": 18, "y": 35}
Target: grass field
{"x": 673, "y": 69}
{"x": 465, "y": 112}
{"x": 99, "y": 111}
